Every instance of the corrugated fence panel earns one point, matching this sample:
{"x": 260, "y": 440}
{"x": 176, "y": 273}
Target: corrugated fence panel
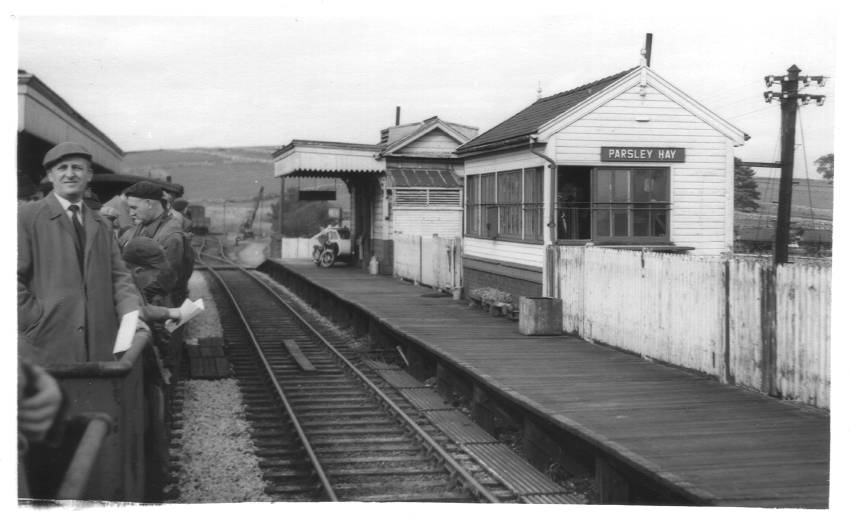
{"x": 430, "y": 258}
{"x": 667, "y": 307}
{"x": 803, "y": 337}
{"x": 745, "y": 323}
{"x": 442, "y": 254}
{"x": 432, "y": 261}
{"x": 673, "y": 308}
{"x": 406, "y": 254}
{"x": 569, "y": 276}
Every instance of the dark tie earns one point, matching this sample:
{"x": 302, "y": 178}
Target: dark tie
{"x": 80, "y": 232}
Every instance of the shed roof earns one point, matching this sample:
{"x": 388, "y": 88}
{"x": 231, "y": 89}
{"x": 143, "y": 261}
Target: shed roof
{"x": 529, "y": 120}
{"x": 28, "y": 81}
{"x": 422, "y": 178}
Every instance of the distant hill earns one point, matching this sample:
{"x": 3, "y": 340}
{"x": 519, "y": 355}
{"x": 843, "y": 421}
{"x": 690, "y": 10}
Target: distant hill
{"x": 819, "y": 190}
{"x": 811, "y": 209}
{"x": 210, "y": 173}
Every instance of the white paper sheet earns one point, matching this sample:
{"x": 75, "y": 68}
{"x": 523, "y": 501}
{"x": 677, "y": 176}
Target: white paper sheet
{"x": 188, "y": 310}
{"x": 126, "y": 331}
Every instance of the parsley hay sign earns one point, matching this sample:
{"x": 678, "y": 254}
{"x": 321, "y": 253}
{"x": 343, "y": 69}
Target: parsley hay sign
{"x": 640, "y": 154}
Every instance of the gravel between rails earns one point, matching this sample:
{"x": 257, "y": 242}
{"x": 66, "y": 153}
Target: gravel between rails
{"x": 214, "y": 451}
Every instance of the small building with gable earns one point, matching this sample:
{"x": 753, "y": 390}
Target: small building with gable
{"x": 627, "y": 161}
{"x": 408, "y": 183}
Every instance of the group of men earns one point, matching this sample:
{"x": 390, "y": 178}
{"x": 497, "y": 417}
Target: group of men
{"x": 77, "y": 277}
{"x": 73, "y": 284}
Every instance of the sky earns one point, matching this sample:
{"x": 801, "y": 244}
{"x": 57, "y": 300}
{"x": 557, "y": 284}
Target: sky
{"x": 338, "y": 74}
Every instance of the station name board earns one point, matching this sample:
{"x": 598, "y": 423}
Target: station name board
{"x": 641, "y": 154}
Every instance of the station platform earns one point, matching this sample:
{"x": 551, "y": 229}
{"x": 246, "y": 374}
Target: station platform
{"x": 712, "y": 443}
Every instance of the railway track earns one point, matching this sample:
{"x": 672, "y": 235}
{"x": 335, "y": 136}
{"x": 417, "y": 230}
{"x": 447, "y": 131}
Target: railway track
{"x": 324, "y": 430}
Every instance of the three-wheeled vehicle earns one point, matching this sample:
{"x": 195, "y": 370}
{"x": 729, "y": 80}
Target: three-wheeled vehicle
{"x": 333, "y": 243}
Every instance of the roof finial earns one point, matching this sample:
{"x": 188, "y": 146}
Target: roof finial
{"x": 539, "y": 90}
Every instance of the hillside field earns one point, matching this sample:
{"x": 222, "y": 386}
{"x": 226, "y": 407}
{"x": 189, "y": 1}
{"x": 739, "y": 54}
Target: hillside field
{"x": 211, "y": 174}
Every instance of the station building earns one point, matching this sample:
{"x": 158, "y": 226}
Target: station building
{"x": 408, "y": 183}
{"x": 627, "y": 161}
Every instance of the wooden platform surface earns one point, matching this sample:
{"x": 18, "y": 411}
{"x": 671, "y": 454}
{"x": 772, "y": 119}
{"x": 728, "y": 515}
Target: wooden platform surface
{"x": 717, "y": 443}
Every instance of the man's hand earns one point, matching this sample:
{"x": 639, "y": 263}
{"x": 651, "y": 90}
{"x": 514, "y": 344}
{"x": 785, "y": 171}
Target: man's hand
{"x": 38, "y": 407}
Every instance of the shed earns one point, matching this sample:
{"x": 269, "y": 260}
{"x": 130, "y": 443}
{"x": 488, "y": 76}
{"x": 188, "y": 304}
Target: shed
{"x": 409, "y": 183}
{"x": 626, "y": 161}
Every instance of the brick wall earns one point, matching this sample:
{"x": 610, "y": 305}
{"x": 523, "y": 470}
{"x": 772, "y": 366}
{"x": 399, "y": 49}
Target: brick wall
{"x": 474, "y": 278}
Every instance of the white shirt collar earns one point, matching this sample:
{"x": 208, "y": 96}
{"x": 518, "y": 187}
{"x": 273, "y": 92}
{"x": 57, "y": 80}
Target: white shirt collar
{"x": 67, "y": 203}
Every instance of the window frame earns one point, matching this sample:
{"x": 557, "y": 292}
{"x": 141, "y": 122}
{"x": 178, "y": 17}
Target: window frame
{"x": 664, "y": 207}
{"x": 517, "y": 219}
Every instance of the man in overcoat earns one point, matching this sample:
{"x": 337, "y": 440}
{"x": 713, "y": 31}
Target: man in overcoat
{"x": 73, "y": 286}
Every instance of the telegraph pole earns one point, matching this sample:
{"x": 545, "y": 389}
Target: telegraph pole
{"x": 789, "y": 96}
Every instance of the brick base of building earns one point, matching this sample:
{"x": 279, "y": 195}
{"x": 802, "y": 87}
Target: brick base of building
{"x": 511, "y": 280}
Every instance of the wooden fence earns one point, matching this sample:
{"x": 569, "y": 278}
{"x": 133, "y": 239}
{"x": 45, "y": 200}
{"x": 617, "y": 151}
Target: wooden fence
{"x": 432, "y": 261}
{"x": 744, "y": 321}
{"x": 296, "y": 247}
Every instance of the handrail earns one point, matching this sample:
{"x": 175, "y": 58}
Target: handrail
{"x": 118, "y": 368}
{"x": 79, "y": 470}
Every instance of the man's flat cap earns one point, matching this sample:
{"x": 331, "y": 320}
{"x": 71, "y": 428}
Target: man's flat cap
{"x": 144, "y": 252}
{"x": 180, "y": 204}
{"x": 144, "y": 190}
{"x": 62, "y": 150}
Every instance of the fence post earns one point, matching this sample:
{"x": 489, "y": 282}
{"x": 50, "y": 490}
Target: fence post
{"x": 768, "y": 329}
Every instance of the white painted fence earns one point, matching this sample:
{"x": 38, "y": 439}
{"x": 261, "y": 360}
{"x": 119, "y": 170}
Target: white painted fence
{"x": 296, "y": 247}
{"x": 674, "y": 308}
{"x": 432, "y": 261}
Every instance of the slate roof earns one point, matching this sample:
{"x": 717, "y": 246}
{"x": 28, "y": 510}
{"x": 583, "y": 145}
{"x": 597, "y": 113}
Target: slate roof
{"x": 518, "y": 127}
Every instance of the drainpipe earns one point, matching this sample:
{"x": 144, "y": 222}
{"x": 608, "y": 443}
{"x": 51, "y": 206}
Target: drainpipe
{"x": 553, "y": 179}
{"x": 548, "y": 270}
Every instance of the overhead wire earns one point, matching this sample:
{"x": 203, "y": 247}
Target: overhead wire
{"x": 806, "y": 163}
{"x": 764, "y": 217}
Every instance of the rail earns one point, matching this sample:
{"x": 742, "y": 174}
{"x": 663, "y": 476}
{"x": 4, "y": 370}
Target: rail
{"x": 317, "y": 466}
{"x": 467, "y": 481}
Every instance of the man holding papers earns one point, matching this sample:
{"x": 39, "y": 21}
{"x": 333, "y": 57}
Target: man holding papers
{"x": 73, "y": 287}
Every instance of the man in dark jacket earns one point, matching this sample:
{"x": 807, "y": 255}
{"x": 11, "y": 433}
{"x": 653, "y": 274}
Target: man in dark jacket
{"x": 73, "y": 286}
{"x": 152, "y": 220}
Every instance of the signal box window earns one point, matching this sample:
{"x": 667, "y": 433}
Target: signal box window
{"x": 613, "y": 205}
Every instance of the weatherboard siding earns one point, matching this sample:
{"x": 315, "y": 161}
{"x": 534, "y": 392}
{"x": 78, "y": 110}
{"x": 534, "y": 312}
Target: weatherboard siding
{"x": 700, "y": 188}
{"x": 445, "y": 222}
{"x": 500, "y": 162}
{"x": 435, "y": 142}
{"x": 530, "y": 255}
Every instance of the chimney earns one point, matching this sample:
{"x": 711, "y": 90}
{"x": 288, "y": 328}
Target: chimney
{"x": 397, "y": 116}
{"x": 648, "y": 48}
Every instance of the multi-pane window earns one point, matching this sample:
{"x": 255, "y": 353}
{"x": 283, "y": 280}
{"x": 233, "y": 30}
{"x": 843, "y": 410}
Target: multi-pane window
{"x": 631, "y": 204}
{"x": 505, "y": 205}
{"x": 613, "y": 205}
